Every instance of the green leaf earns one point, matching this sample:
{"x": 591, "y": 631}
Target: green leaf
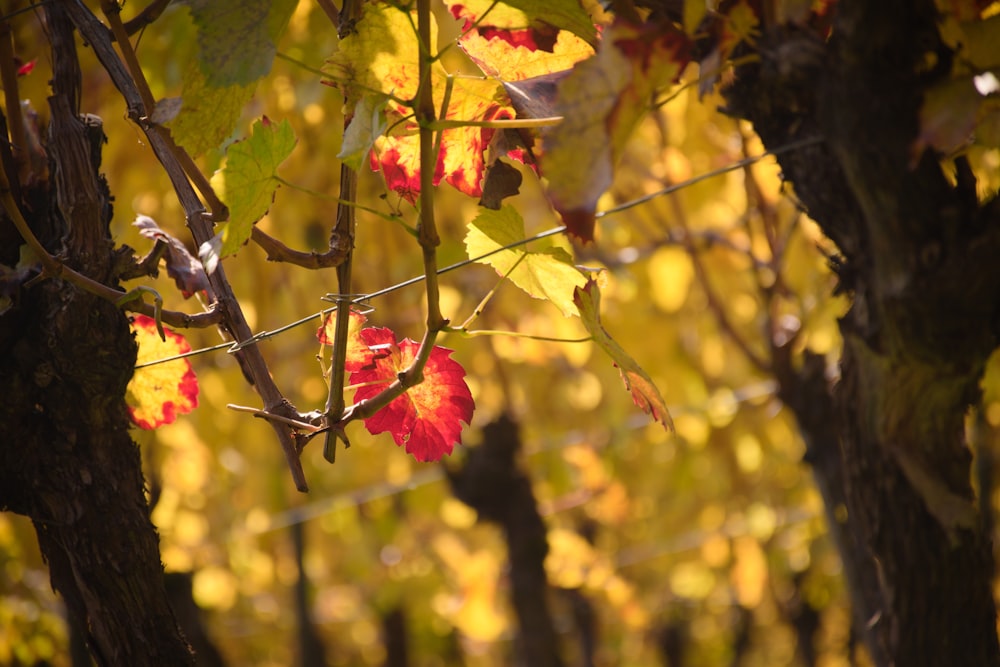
{"x": 382, "y": 55}
{"x": 563, "y": 14}
{"x": 236, "y": 38}
{"x": 208, "y": 114}
{"x": 236, "y": 47}
{"x": 644, "y": 392}
{"x": 249, "y": 182}
{"x": 367, "y": 125}
{"x": 547, "y": 273}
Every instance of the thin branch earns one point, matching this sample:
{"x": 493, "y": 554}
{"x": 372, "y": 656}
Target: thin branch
{"x": 331, "y": 12}
{"x": 149, "y": 14}
{"x": 342, "y": 236}
{"x": 711, "y": 174}
{"x": 714, "y": 304}
{"x": 509, "y": 123}
{"x": 112, "y": 11}
{"x": 279, "y": 252}
{"x": 233, "y": 318}
{"x": 51, "y": 267}
{"x": 426, "y": 228}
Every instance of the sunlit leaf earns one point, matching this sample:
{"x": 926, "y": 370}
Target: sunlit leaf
{"x": 602, "y": 101}
{"x": 358, "y": 352}
{"x": 208, "y": 114}
{"x": 367, "y": 124}
{"x": 460, "y": 161}
{"x": 157, "y": 394}
{"x": 504, "y": 47}
{"x": 236, "y": 47}
{"x": 563, "y": 14}
{"x": 381, "y": 55}
{"x": 428, "y": 418}
{"x": 182, "y": 266}
{"x": 382, "y": 59}
{"x": 644, "y": 392}
{"x": 249, "y": 182}
{"x": 545, "y": 273}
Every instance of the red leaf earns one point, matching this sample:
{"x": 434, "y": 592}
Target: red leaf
{"x": 157, "y": 394}
{"x": 26, "y": 68}
{"x": 427, "y": 418}
{"x": 358, "y": 352}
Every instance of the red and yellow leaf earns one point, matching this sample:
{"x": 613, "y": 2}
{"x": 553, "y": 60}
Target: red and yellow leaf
{"x": 428, "y": 418}
{"x": 369, "y": 64}
{"x": 503, "y": 44}
{"x": 602, "y": 101}
{"x": 640, "y": 385}
{"x": 358, "y": 352}
{"x": 157, "y": 394}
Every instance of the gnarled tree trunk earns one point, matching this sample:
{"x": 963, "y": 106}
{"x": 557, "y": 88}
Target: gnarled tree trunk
{"x": 918, "y": 257}
{"x": 66, "y": 458}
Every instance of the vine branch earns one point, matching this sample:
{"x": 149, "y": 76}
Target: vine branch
{"x": 232, "y": 315}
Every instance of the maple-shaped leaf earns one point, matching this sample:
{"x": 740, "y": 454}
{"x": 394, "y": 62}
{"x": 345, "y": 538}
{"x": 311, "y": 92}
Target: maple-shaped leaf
{"x": 428, "y": 418}
{"x": 381, "y": 60}
{"x": 182, "y": 266}
{"x": 249, "y": 183}
{"x": 236, "y": 48}
{"x": 527, "y": 20}
{"x": 602, "y": 101}
{"x": 644, "y": 392}
{"x": 460, "y": 160}
{"x": 358, "y": 352}
{"x": 504, "y": 44}
{"x": 545, "y": 273}
{"x": 157, "y": 394}
{"x": 208, "y": 114}
{"x": 236, "y": 38}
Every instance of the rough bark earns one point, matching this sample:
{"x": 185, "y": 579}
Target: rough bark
{"x": 918, "y": 260}
{"x": 66, "y": 459}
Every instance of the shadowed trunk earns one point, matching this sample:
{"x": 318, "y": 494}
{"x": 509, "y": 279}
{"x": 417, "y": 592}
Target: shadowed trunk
{"x": 493, "y": 485}
{"x": 918, "y": 257}
{"x": 67, "y": 460}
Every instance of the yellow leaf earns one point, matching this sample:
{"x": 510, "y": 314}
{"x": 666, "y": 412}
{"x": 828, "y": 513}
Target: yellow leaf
{"x": 157, "y": 394}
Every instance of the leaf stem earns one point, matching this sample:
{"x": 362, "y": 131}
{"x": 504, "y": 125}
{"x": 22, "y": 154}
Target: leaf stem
{"x": 466, "y": 333}
{"x": 503, "y": 123}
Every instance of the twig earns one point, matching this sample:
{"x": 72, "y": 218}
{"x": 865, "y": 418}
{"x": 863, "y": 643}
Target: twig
{"x": 503, "y": 123}
{"x": 331, "y": 11}
{"x": 232, "y": 316}
{"x": 426, "y": 228}
{"x": 112, "y": 11}
{"x": 714, "y": 304}
{"x": 262, "y": 414}
{"x": 279, "y": 252}
{"x": 342, "y": 236}
{"x": 151, "y": 12}
{"x": 711, "y": 174}
{"x": 50, "y": 265}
